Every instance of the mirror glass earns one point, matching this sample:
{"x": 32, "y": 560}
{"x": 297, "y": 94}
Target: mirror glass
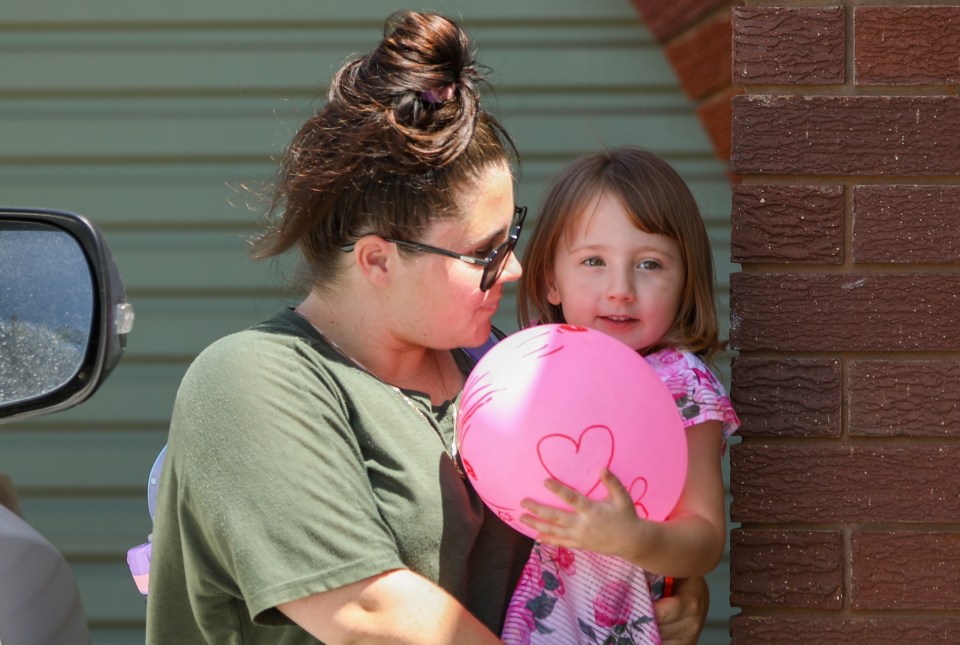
{"x": 46, "y": 309}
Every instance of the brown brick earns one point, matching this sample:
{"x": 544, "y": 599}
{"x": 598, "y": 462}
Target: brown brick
{"x": 912, "y": 398}
{"x": 701, "y": 57}
{"x": 787, "y": 224}
{"x": 907, "y": 45}
{"x": 777, "y": 630}
{"x": 714, "y": 114}
{"x": 666, "y": 19}
{"x": 835, "y": 313}
{"x": 905, "y": 570}
{"x": 788, "y": 45}
{"x": 846, "y": 135}
{"x": 814, "y": 483}
{"x": 802, "y": 569}
{"x": 783, "y": 397}
{"x": 900, "y": 224}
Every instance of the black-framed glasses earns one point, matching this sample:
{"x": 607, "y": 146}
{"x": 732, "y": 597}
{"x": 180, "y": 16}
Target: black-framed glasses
{"x": 492, "y": 265}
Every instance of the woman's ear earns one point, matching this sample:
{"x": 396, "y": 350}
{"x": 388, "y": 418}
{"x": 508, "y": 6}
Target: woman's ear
{"x": 374, "y": 257}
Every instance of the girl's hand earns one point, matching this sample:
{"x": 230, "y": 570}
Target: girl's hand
{"x": 609, "y": 526}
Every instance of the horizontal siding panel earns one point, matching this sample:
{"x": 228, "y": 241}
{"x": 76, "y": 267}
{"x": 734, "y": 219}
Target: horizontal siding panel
{"x": 178, "y": 328}
{"x": 716, "y": 631}
{"x": 186, "y": 196}
{"x": 117, "y": 633}
{"x": 68, "y": 12}
{"x": 109, "y": 595}
{"x": 670, "y": 134}
{"x": 192, "y": 133}
{"x": 173, "y": 131}
{"x": 56, "y": 462}
{"x": 92, "y": 529}
{"x": 198, "y": 262}
{"x": 263, "y": 60}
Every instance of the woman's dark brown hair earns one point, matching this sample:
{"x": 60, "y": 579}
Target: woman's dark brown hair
{"x": 401, "y": 133}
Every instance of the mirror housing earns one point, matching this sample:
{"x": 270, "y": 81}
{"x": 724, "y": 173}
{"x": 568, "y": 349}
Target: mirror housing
{"x": 51, "y": 248}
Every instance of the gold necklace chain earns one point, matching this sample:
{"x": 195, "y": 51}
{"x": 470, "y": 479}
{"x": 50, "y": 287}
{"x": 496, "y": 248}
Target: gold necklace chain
{"x": 452, "y": 454}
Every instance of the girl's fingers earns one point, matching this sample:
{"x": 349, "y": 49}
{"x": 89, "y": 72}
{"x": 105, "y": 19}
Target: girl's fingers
{"x": 556, "y": 540}
{"x": 537, "y": 508}
{"x": 564, "y": 492}
{"x": 532, "y": 522}
{"x": 541, "y": 525}
{"x": 612, "y": 482}
{"x": 547, "y": 513}
{"x": 548, "y": 533}
{"x": 615, "y": 487}
{"x": 616, "y": 490}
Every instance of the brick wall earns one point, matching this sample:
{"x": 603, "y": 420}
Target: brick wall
{"x": 846, "y": 316}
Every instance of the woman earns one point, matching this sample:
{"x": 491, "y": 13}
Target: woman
{"x": 311, "y": 488}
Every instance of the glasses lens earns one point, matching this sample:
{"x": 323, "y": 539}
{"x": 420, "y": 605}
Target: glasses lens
{"x": 498, "y": 258}
{"x": 492, "y": 271}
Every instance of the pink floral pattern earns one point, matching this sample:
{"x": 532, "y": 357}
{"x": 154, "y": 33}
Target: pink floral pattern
{"x": 611, "y": 605}
{"x": 569, "y": 596}
{"x": 573, "y": 597}
{"x": 699, "y": 394}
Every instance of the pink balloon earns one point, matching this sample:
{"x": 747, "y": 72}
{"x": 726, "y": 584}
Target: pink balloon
{"x": 564, "y": 401}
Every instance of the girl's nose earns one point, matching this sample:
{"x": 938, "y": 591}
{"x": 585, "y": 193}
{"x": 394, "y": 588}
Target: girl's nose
{"x": 620, "y": 285}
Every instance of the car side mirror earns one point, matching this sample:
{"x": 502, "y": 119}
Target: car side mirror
{"x": 64, "y": 316}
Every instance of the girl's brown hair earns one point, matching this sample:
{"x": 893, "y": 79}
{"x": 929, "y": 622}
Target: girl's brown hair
{"x": 659, "y": 202}
{"x": 401, "y": 133}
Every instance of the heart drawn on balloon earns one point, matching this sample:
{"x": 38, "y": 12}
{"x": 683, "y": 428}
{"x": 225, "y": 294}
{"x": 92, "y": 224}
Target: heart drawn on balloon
{"x": 638, "y": 488}
{"x": 577, "y": 462}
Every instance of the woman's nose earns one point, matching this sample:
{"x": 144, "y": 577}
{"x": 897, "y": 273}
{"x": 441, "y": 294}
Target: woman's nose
{"x": 511, "y": 269}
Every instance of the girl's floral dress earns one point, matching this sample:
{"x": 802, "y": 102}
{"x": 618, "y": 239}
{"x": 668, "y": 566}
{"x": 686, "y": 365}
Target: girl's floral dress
{"x": 574, "y": 597}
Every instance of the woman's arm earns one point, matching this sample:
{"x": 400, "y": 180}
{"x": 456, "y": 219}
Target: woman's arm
{"x": 681, "y": 617}
{"x": 688, "y": 543}
{"x": 398, "y": 606}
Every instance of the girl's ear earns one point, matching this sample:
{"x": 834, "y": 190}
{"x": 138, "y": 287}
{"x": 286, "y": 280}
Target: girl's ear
{"x": 374, "y": 257}
{"x": 553, "y": 294}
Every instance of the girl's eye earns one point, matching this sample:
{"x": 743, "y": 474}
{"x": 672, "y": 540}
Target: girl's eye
{"x": 649, "y": 265}
{"x": 593, "y": 262}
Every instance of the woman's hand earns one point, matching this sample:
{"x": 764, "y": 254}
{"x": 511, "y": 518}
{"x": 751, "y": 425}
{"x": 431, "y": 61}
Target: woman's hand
{"x": 681, "y": 617}
{"x": 609, "y": 526}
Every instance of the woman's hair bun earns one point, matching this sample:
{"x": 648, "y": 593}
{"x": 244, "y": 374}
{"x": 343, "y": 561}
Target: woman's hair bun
{"x": 420, "y": 88}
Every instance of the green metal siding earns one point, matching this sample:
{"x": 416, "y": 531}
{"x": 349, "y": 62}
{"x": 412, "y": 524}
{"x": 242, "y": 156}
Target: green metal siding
{"x": 150, "y": 118}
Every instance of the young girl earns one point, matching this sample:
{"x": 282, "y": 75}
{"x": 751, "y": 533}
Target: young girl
{"x": 620, "y": 247}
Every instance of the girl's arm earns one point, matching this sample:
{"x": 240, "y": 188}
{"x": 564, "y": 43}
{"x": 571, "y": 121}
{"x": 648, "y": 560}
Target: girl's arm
{"x": 688, "y": 543}
{"x": 398, "y": 606}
